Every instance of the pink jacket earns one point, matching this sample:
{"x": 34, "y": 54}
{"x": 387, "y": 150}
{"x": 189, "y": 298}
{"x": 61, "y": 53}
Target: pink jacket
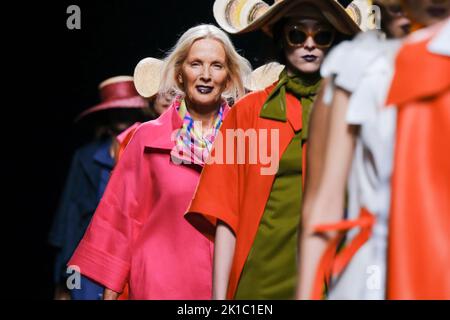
{"x": 138, "y": 233}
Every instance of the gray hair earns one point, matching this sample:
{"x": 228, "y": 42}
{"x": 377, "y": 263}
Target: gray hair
{"x": 237, "y": 66}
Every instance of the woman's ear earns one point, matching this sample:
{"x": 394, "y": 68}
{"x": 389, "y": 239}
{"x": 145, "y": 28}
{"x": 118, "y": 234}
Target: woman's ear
{"x": 180, "y": 79}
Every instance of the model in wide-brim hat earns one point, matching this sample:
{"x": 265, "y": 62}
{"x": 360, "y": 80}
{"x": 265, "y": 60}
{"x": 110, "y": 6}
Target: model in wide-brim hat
{"x": 242, "y": 16}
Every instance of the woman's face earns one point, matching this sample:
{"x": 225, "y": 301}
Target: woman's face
{"x": 204, "y": 75}
{"x": 163, "y": 101}
{"x": 300, "y": 37}
{"x": 428, "y": 12}
{"x": 397, "y": 24}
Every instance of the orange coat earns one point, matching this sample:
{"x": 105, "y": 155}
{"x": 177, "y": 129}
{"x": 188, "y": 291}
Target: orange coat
{"x": 237, "y": 193}
{"x": 419, "y": 230}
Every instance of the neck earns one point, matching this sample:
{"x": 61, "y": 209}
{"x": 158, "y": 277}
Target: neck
{"x": 306, "y": 78}
{"x": 205, "y": 115}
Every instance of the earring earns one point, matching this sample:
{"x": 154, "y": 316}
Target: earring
{"x": 180, "y": 79}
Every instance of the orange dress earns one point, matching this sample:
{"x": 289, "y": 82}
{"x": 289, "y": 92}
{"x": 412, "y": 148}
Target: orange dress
{"x": 237, "y": 193}
{"x": 419, "y": 230}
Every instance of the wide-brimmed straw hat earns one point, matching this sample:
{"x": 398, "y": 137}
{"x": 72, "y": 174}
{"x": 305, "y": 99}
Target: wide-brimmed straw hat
{"x": 242, "y": 16}
{"x": 117, "y": 93}
{"x": 235, "y": 15}
{"x": 264, "y": 76}
{"x": 147, "y": 76}
{"x": 361, "y": 11}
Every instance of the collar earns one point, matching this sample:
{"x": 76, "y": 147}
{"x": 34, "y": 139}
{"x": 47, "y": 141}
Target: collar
{"x": 169, "y": 122}
{"x": 293, "y": 114}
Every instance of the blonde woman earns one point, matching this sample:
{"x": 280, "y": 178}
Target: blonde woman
{"x": 138, "y": 234}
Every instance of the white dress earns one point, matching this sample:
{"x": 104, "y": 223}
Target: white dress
{"x": 364, "y": 67}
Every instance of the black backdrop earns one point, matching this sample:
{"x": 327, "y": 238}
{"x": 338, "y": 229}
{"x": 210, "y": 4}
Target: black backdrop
{"x": 55, "y": 76}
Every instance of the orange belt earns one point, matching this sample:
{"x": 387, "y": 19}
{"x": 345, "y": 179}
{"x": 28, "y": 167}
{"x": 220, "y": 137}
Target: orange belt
{"x": 333, "y": 262}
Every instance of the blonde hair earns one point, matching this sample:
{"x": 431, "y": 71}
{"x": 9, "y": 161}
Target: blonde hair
{"x": 238, "y": 67}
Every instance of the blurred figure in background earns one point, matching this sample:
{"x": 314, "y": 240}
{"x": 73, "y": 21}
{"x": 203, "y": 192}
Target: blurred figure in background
{"x": 419, "y": 226}
{"x": 147, "y": 79}
{"x": 344, "y": 70}
{"x": 381, "y": 256}
{"x": 89, "y": 173}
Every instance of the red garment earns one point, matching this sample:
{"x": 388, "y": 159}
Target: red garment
{"x": 138, "y": 234}
{"x": 419, "y": 230}
{"x": 237, "y": 193}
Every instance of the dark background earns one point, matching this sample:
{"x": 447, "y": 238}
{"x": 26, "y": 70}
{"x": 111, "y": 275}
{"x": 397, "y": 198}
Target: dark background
{"x": 55, "y": 74}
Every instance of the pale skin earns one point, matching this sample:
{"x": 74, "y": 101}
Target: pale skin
{"x": 225, "y": 242}
{"x": 319, "y": 129}
{"x": 324, "y": 203}
{"x": 163, "y": 102}
{"x": 397, "y": 24}
{"x": 203, "y": 77}
{"x": 225, "y": 239}
{"x": 319, "y": 124}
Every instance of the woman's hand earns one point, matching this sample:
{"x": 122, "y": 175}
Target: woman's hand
{"x": 109, "y": 294}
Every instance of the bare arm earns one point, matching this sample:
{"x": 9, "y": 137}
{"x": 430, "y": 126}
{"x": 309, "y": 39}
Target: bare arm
{"x": 319, "y": 126}
{"x": 326, "y": 206}
{"x": 223, "y": 258}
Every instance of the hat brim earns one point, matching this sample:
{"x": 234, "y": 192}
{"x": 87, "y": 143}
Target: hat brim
{"x": 330, "y": 9}
{"x": 129, "y": 103}
{"x": 220, "y": 9}
{"x": 147, "y": 77}
{"x": 264, "y": 76}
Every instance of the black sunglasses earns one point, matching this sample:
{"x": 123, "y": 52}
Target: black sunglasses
{"x": 296, "y": 36}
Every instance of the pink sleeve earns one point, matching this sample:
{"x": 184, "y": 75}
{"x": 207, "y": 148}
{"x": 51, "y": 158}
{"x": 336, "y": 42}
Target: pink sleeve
{"x": 104, "y": 252}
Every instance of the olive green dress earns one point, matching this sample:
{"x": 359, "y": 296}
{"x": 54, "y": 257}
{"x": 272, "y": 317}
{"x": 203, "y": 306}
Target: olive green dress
{"x": 270, "y": 271}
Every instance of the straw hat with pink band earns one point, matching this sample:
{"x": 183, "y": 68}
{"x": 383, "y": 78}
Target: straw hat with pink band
{"x": 117, "y": 93}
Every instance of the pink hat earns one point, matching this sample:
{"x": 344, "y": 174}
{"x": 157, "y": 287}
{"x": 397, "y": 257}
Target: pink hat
{"x": 117, "y": 92}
